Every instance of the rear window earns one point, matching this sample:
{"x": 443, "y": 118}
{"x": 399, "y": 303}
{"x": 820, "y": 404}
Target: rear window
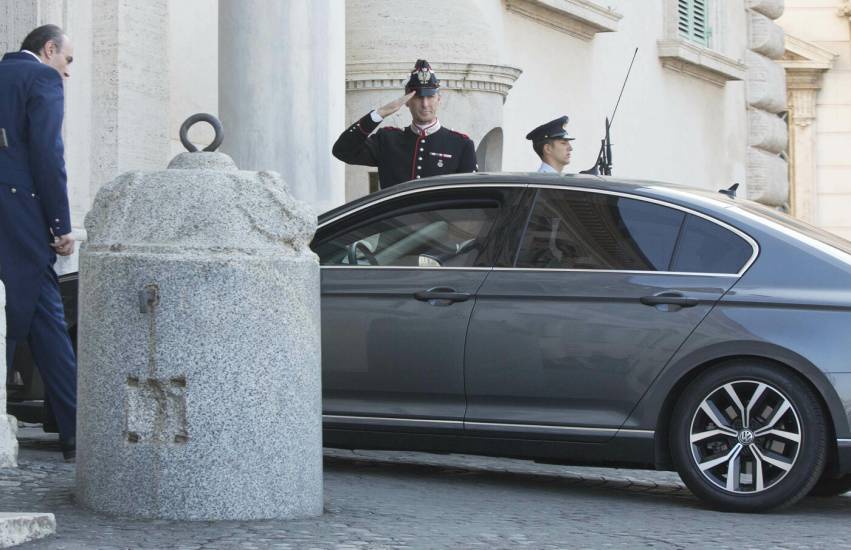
{"x": 706, "y": 247}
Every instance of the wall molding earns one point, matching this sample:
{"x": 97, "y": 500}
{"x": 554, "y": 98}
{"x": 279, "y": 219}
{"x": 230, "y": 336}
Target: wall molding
{"x": 464, "y": 77}
{"x": 580, "y": 18}
{"x": 692, "y": 59}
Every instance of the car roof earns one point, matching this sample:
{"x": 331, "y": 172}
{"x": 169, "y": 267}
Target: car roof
{"x": 678, "y": 194}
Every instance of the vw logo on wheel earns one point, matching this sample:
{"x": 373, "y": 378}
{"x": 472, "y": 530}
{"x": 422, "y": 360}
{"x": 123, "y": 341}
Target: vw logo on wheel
{"x": 746, "y": 437}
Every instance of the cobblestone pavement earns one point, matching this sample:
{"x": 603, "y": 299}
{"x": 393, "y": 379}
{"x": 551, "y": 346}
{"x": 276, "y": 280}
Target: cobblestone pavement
{"x": 382, "y": 500}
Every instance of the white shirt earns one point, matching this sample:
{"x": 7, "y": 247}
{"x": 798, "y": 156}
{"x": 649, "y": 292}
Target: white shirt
{"x": 547, "y": 169}
{"x": 34, "y": 55}
{"x": 427, "y": 130}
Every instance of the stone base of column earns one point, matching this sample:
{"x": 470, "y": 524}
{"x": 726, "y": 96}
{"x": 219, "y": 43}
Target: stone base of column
{"x": 20, "y": 527}
{"x": 8, "y": 441}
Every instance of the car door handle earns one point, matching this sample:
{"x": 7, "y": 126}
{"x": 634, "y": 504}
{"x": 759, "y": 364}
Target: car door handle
{"x": 669, "y": 298}
{"x": 441, "y": 293}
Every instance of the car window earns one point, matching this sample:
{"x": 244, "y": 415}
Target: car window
{"x": 579, "y": 230}
{"x": 706, "y": 247}
{"x": 447, "y": 233}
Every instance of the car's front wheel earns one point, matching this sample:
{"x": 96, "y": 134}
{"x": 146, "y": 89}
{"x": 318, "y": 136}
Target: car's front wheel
{"x": 749, "y": 437}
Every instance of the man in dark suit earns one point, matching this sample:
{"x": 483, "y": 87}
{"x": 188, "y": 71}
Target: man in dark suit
{"x": 423, "y": 149}
{"x": 35, "y": 222}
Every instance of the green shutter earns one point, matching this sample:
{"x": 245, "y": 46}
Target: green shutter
{"x": 693, "y": 20}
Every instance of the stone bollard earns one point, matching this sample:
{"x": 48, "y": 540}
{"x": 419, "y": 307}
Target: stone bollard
{"x": 199, "y": 348}
{"x": 8, "y": 424}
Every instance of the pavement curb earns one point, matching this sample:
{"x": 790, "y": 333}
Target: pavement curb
{"x": 20, "y": 527}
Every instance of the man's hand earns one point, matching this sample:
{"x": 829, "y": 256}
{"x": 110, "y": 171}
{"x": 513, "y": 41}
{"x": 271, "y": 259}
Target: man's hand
{"x": 64, "y": 245}
{"x": 394, "y": 105}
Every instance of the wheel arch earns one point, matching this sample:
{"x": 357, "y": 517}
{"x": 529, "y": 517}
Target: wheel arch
{"x": 686, "y": 371}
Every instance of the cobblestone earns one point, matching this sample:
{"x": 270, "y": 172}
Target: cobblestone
{"x": 384, "y": 500}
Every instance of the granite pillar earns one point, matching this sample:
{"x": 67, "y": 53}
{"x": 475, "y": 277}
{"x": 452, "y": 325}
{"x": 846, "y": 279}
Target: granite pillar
{"x": 199, "y": 348}
{"x": 8, "y": 424}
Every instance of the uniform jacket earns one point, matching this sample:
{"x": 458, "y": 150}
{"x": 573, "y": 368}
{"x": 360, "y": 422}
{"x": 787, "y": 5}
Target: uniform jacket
{"x": 33, "y": 195}
{"x": 403, "y": 155}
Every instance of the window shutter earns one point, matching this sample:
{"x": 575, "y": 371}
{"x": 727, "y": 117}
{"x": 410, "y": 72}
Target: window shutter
{"x": 693, "y": 20}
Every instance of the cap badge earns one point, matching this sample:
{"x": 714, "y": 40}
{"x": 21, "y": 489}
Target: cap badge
{"x": 424, "y": 75}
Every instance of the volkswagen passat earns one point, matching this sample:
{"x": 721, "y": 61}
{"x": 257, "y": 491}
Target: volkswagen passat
{"x": 579, "y": 319}
{"x": 590, "y": 320}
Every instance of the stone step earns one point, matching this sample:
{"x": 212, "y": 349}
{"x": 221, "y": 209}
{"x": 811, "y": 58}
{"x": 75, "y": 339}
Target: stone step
{"x": 20, "y": 527}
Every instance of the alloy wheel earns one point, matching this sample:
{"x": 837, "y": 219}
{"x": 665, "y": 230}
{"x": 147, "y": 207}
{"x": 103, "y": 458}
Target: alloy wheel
{"x": 745, "y": 436}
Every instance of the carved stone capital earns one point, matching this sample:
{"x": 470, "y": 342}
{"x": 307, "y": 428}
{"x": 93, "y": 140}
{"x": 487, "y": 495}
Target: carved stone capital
{"x": 471, "y": 77}
{"x": 802, "y": 106}
{"x": 845, "y": 9}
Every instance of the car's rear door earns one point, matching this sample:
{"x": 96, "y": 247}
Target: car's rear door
{"x": 604, "y": 289}
{"x": 399, "y": 280}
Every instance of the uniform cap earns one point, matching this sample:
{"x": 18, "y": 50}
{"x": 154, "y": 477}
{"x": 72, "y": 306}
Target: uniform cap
{"x": 554, "y": 129}
{"x": 422, "y": 80}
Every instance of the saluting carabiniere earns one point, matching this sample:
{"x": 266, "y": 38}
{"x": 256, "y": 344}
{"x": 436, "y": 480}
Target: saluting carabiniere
{"x": 425, "y": 148}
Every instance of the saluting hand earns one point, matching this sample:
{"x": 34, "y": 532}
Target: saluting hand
{"x": 64, "y": 245}
{"x": 394, "y": 105}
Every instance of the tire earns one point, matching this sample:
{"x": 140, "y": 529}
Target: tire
{"x": 831, "y": 486}
{"x": 763, "y": 449}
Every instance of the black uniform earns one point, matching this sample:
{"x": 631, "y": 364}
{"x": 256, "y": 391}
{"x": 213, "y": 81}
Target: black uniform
{"x": 403, "y": 155}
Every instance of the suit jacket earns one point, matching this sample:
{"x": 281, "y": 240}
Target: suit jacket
{"x": 33, "y": 184}
{"x": 403, "y": 155}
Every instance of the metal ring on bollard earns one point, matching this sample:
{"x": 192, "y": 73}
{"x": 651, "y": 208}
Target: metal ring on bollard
{"x": 201, "y": 117}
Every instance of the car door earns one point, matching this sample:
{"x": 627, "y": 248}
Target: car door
{"x": 399, "y": 280}
{"x": 605, "y": 287}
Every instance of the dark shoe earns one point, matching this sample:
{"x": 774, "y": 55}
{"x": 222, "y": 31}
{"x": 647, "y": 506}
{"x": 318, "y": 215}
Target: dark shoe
{"x": 69, "y": 449}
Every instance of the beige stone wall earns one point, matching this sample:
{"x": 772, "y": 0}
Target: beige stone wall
{"x": 824, "y": 24}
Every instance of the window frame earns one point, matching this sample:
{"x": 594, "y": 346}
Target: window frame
{"x": 710, "y": 60}
{"x": 750, "y": 240}
{"x": 401, "y": 195}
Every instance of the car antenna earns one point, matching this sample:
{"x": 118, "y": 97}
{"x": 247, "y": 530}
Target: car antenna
{"x": 730, "y": 191}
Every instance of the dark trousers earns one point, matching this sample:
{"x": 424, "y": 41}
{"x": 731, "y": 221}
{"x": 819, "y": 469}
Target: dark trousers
{"x": 53, "y": 355}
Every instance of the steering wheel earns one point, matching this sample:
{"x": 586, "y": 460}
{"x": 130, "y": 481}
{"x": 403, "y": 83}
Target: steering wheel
{"x": 359, "y": 246}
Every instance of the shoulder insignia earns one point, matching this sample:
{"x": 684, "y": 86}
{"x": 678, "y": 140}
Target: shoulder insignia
{"x": 391, "y": 128}
{"x": 462, "y": 134}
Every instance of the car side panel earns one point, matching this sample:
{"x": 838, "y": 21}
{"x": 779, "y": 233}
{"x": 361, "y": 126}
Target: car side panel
{"x": 750, "y": 331}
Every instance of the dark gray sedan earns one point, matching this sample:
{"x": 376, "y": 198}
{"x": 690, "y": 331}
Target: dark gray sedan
{"x": 588, "y": 320}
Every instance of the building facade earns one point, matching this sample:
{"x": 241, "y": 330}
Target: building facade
{"x": 703, "y": 105}
{"x": 818, "y": 72}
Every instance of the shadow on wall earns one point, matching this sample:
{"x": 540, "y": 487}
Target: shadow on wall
{"x": 489, "y": 151}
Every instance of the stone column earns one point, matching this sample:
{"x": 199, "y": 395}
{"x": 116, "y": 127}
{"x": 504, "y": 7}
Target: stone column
{"x": 281, "y": 91}
{"x": 19, "y": 18}
{"x": 805, "y": 65}
{"x": 8, "y": 424}
{"x": 802, "y": 148}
